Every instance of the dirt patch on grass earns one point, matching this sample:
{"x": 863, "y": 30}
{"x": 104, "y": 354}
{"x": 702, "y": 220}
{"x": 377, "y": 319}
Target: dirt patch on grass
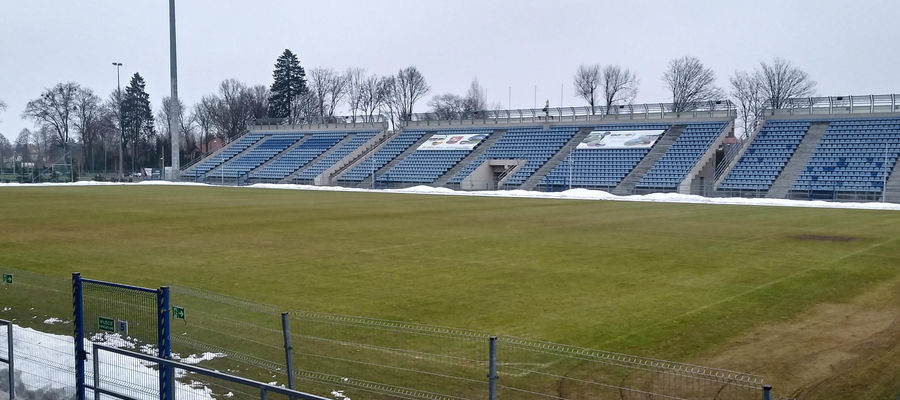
{"x": 833, "y": 351}
{"x": 825, "y": 238}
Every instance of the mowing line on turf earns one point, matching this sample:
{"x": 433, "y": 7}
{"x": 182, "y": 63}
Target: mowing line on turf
{"x": 751, "y": 290}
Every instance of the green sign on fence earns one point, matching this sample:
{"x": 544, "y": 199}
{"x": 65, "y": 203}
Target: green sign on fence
{"x": 106, "y": 324}
{"x": 178, "y": 312}
{"x": 7, "y": 279}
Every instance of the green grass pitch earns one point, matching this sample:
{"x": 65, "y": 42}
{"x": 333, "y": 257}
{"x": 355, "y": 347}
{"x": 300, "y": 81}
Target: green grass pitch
{"x": 674, "y": 281}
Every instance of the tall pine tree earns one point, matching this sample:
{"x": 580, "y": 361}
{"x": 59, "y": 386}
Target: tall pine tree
{"x": 289, "y": 82}
{"x": 137, "y": 117}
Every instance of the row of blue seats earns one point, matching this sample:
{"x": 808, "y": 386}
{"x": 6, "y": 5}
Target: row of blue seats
{"x": 681, "y": 156}
{"x": 233, "y": 149}
{"x": 383, "y": 156}
{"x": 338, "y": 154}
{"x": 299, "y": 156}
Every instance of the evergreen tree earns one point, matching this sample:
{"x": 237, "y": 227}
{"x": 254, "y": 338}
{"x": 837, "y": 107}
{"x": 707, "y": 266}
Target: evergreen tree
{"x": 137, "y": 117}
{"x": 289, "y": 82}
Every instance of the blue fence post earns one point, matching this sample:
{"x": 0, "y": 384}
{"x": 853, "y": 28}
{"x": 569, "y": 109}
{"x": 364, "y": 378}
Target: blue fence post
{"x": 164, "y": 345}
{"x": 492, "y": 369}
{"x": 767, "y": 392}
{"x": 11, "y": 360}
{"x": 288, "y": 349}
{"x": 80, "y": 355}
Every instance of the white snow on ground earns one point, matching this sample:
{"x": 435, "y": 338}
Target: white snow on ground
{"x": 574, "y": 194}
{"x": 54, "y": 320}
{"x": 46, "y": 362}
{"x": 195, "y": 359}
{"x": 339, "y": 394}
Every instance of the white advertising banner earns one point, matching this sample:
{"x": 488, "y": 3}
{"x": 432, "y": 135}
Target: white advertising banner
{"x": 453, "y": 142}
{"x": 620, "y": 139}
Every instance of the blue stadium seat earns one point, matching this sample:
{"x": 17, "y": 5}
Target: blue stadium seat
{"x": 226, "y": 154}
{"x": 338, "y": 154}
{"x": 532, "y": 144}
{"x": 682, "y": 155}
{"x": 599, "y": 168}
{"x": 766, "y": 156}
{"x": 426, "y": 166}
{"x": 297, "y": 157}
{"x": 383, "y": 156}
{"x": 854, "y": 155}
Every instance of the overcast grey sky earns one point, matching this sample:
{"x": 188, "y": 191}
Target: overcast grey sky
{"x": 847, "y": 47}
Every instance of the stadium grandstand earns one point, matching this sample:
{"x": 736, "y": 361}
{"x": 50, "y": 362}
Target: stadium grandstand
{"x": 840, "y": 148}
{"x": 833, "y": 148}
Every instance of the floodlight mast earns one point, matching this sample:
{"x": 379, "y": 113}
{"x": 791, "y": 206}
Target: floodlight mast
{"x": 174, "y": 105}
{"x": 121, "y": 121}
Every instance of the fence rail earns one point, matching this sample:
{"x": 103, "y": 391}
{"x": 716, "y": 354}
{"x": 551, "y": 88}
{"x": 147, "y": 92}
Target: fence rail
{"x": 339, "y": 355}
{"x": 9, "y": 359}
{"x": 650, "y": 111}
{"x": 390, "y": 359}
{"x": 264, "y": 389}
{"x": 835, "y": 105}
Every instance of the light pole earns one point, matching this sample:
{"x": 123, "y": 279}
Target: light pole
{"x": 885, "y": 173}
{"x": 121, "y": 126}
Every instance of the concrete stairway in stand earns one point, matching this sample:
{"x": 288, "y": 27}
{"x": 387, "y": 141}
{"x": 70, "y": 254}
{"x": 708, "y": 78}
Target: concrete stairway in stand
{"x": 409, "y": 150}
{"x": 795, "y": 165}
{"x": 211, "y": 174}
{"x": 290, "y": 177}
{"x": 892, "y": 187}
{"x": 630, "y": 181}
{"x": 535, "y": 179}
{"x": 473, "y": 155}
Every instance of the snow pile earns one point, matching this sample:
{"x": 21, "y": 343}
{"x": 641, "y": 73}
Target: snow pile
{"x": 588, "y": 194}
{"x": 45, "y": 367}
{"x": 53, "y": 320}
{"x": 573, "y": 194}
{"x": 195, "y": 359}
{"x": 339, "y": 394}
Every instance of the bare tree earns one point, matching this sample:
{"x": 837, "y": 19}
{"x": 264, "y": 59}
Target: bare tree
{"x": 6, "y": 152}
{"x": 373, "y": 94}
{"x": 450, "y": 106}
{"x": 782, "y": 81}
{"x": 203, "y": 115}
{"x": 43, "y": 139}
{"x": 113, "y": 109}
{"x": 447, "y": 106}
{"x": 587, "y": 82}
{"x": 690, "y": 83}
{"x": 23, "y": 146}
{"x": 619, "y": 85}
{"x": 168, "y": 113}
{"x": 318, "y": 88}
{"x": 337, "y": 91}
{"x": 404, "y": 90}
{"x": 257, "y": 98}
{"x": 328, "y": 88}
{"x": 746, "y": 89}
{"x": 55, "y": 108}
{"x": 231, "y": 110}
{"x": 88, "y": 119}
{"x": 475, "y": 100}
{"x": 356, "y": 78}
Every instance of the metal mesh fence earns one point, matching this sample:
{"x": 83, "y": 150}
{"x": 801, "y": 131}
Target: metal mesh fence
{"x": 371, "y": 358}
{"x": 532, "y": 369}
{"x": 40, "y": 307}
{"x": 120, "y": 314}
{"x": 334, "y": 356}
